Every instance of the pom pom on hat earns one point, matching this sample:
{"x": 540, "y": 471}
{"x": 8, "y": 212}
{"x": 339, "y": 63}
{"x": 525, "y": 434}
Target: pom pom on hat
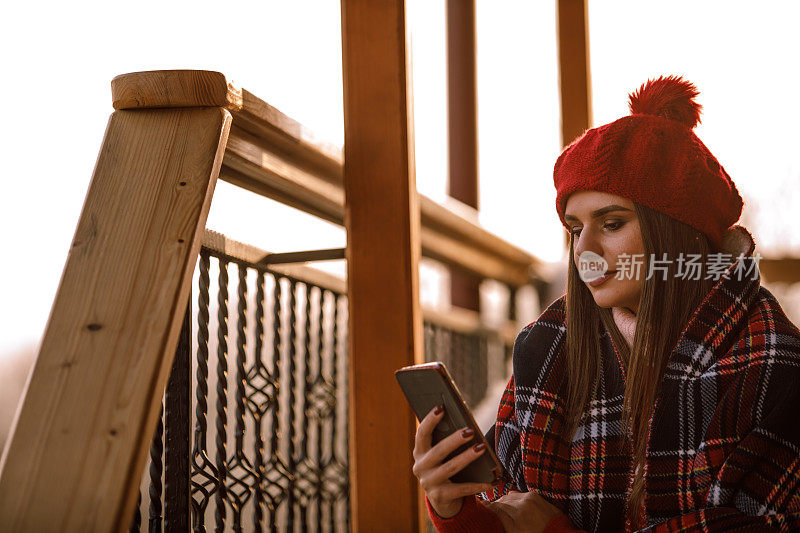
{"x": 652, "y": 157}
{"x": 670, "y": 97}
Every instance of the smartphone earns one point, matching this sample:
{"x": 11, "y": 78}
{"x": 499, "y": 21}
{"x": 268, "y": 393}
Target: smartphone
{"x": 428, "y": 385}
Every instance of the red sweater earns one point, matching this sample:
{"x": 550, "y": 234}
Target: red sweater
{"x": 475, "y": 517}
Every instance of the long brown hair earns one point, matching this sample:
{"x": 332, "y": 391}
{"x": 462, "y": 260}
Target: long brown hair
{"x": 665, "y": 306}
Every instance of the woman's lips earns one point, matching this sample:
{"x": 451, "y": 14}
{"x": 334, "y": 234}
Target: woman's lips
{"x": 602, "y": 279}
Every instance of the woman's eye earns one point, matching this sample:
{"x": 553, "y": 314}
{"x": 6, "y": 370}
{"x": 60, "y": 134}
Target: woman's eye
{"x": 575, "y": 231}
{"x": 613, "y": 226}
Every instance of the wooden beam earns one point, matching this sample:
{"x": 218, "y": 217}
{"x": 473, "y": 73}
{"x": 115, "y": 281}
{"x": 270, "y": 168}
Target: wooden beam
{"x": 253, "y": 164}
{"x": 574, "y": 72}
{"x": 190, "y": 88}
{"x": 382, "y": 221}
{"x": 462, "y": 132}
{"x": 154, "y": 89}
{"x": 780, "y": 269}
{"x": 257, "y": 166}
{"x": 272, "y": 155}
{"x": 81, "y": 438}
{"x": 462, "y": 106}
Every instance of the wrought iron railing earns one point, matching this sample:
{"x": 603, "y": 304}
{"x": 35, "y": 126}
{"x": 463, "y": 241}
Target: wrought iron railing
{"x": 253, "y": 433}
{"x": 465, "y": 356}
{"x": 269, "y": 446}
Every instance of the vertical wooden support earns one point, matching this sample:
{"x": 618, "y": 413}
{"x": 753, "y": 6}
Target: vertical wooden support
{"x": 81, "y": 437}
{"x": 382, "y": 221}
{"x": 574, "y": 71}
{"x": 462, "y": 131}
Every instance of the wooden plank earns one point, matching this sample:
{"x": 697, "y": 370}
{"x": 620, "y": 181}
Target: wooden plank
{"x": 780, "y": 269}
{"x": 447, "y": 236}
{"x": 193, "y": 88}
{"x": 173, "y": 88}
{"x": 460, "y": 254}
{"x": 382, "y": 221}
{"x": 259, "y": 168}
{"x": 275, "y": 156}
{"x": 462, "y": 132}
{"x": 462, "y": 106}
{"x": 574, "y": 69}
{"x": 80, "y": 441}
{"x": 294, "y": 141}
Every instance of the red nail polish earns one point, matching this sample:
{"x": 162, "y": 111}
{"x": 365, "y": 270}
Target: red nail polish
{"x": 479, "y": 447}
{"x": 466, "y": 433}
{"x": 438, "y": 409}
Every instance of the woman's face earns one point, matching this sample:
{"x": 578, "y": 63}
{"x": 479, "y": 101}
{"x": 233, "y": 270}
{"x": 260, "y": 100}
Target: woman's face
{"x": 607, "y": 225}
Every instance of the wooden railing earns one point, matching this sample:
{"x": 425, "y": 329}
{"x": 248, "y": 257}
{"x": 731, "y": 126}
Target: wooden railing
{"x": 272, "y": 155}
{"x": 80, "y": 442}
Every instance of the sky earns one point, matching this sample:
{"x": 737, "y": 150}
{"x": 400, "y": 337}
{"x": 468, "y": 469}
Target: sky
{"x": 59, "y": 59}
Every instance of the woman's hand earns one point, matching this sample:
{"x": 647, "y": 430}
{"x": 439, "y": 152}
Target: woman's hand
{"x": 523, "y": 512}
{"x": 445, "y": 496}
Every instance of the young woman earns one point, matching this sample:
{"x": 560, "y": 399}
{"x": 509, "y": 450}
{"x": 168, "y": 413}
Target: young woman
{"x": 661, "y": 392}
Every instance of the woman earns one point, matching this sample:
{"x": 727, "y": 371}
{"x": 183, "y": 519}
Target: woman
{"x": 661, "y": 391}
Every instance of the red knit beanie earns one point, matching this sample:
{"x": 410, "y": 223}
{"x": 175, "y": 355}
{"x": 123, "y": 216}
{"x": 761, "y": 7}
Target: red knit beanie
{"x": 652, "y": 157}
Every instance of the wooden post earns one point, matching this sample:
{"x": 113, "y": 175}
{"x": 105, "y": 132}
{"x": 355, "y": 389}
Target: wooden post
{"x": 574, "y": 72}
{"x": 81, "y": 437}
{"x": 462, "y": 131}
{"x": 382, "y": 221}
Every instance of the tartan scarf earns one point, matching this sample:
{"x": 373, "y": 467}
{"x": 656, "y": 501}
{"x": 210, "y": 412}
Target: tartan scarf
{"x": 723, "y": 450}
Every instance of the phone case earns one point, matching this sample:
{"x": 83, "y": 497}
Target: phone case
{"x": 428, "y": 385}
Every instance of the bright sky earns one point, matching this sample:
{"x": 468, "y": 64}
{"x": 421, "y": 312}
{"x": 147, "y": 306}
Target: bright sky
{"x": 60, "y": 57}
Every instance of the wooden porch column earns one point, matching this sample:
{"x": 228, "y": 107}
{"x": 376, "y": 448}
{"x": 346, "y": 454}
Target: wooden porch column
{"x": 382, "y": 221}
{"x": 80, "y": 441}
{"x": 462, "y": 129}
{"x": 574, "y": 72}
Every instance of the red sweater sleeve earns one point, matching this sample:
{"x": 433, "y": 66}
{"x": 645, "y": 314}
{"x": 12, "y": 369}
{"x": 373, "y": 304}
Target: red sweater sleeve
{"x": 474, "y": 517}
{"x": 561, "y": 524}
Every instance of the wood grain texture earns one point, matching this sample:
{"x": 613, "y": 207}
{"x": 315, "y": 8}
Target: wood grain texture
{"x": 574, "y": 72}
{"x": 294, "y": 141}
{"x": 173, "y": 88}
{"x": 193, "y": 88}
{"x": 273, "y": 155}
{"x": 382, "y": 221}
{"x": 80, "y": 441}
{"x": 447, "y": 236}
{"x": 261, "y": 168}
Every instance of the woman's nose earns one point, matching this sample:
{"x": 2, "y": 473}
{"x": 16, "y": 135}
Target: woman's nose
{"x": 587, "y": 241}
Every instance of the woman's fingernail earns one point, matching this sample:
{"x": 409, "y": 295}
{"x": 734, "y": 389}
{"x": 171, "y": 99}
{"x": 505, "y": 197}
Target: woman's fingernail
{"x": 438, "y": 409}
{"x": 467, "y": 433}
{"x": 479, "y": 447}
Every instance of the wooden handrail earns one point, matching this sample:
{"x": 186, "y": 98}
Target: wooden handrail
{"x": 272, "y": 155}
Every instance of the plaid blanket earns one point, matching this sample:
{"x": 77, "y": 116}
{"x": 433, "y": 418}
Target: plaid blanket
{"x": 724, "y": 446}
